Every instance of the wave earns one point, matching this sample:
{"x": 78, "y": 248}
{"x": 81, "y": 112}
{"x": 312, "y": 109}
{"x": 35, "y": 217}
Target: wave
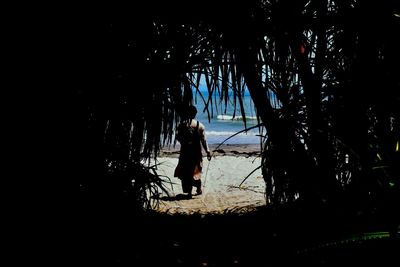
{"x": 229, "y": 117}
{"x": 229, "y": 133}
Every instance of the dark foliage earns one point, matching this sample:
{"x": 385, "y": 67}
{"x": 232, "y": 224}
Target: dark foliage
{"x": 323, "y": 75}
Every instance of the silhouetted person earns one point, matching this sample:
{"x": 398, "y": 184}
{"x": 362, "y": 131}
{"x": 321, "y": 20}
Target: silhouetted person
{"x": 191, "y": 136}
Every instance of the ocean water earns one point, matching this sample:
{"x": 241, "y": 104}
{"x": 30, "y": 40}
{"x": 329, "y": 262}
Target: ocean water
{"x": 223, "y": 125}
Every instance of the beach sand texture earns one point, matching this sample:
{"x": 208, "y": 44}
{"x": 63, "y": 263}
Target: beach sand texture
{"x": 221, "y": 178}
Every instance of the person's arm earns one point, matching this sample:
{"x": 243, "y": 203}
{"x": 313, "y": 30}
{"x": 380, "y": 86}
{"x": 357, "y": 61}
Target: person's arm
{"x": 203, "y": 141}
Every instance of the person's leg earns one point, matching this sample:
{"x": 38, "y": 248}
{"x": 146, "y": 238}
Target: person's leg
{"x": 197, "y": 183}
{"x": 187, "y": 186}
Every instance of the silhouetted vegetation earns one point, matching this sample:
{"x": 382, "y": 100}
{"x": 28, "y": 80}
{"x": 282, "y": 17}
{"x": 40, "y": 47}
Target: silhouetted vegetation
{"x": 324, "y": 78}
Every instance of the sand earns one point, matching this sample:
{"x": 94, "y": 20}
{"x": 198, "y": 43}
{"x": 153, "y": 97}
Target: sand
{"x": 221, "y": 178}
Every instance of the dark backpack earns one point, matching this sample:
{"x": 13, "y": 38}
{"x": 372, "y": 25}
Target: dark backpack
{"x": 188, "y": 135}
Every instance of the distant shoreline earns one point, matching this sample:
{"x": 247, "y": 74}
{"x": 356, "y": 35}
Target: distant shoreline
{"x": 245, "y": 150}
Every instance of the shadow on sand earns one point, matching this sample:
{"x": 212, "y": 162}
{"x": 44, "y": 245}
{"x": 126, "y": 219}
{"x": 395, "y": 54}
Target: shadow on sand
{"x": 176, "y": 197}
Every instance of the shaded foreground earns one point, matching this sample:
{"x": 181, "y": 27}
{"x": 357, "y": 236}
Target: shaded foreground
{"x": 265, "y": 237}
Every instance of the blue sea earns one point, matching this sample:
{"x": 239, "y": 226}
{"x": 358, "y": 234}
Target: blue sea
{"x": 223, "y": 125}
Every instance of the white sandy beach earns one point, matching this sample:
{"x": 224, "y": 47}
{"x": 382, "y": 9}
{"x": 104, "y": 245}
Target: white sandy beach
{"x": 221, "y": 179}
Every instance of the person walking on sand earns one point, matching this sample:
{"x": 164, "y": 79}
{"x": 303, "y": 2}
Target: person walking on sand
{"x": 191, "y": 136}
